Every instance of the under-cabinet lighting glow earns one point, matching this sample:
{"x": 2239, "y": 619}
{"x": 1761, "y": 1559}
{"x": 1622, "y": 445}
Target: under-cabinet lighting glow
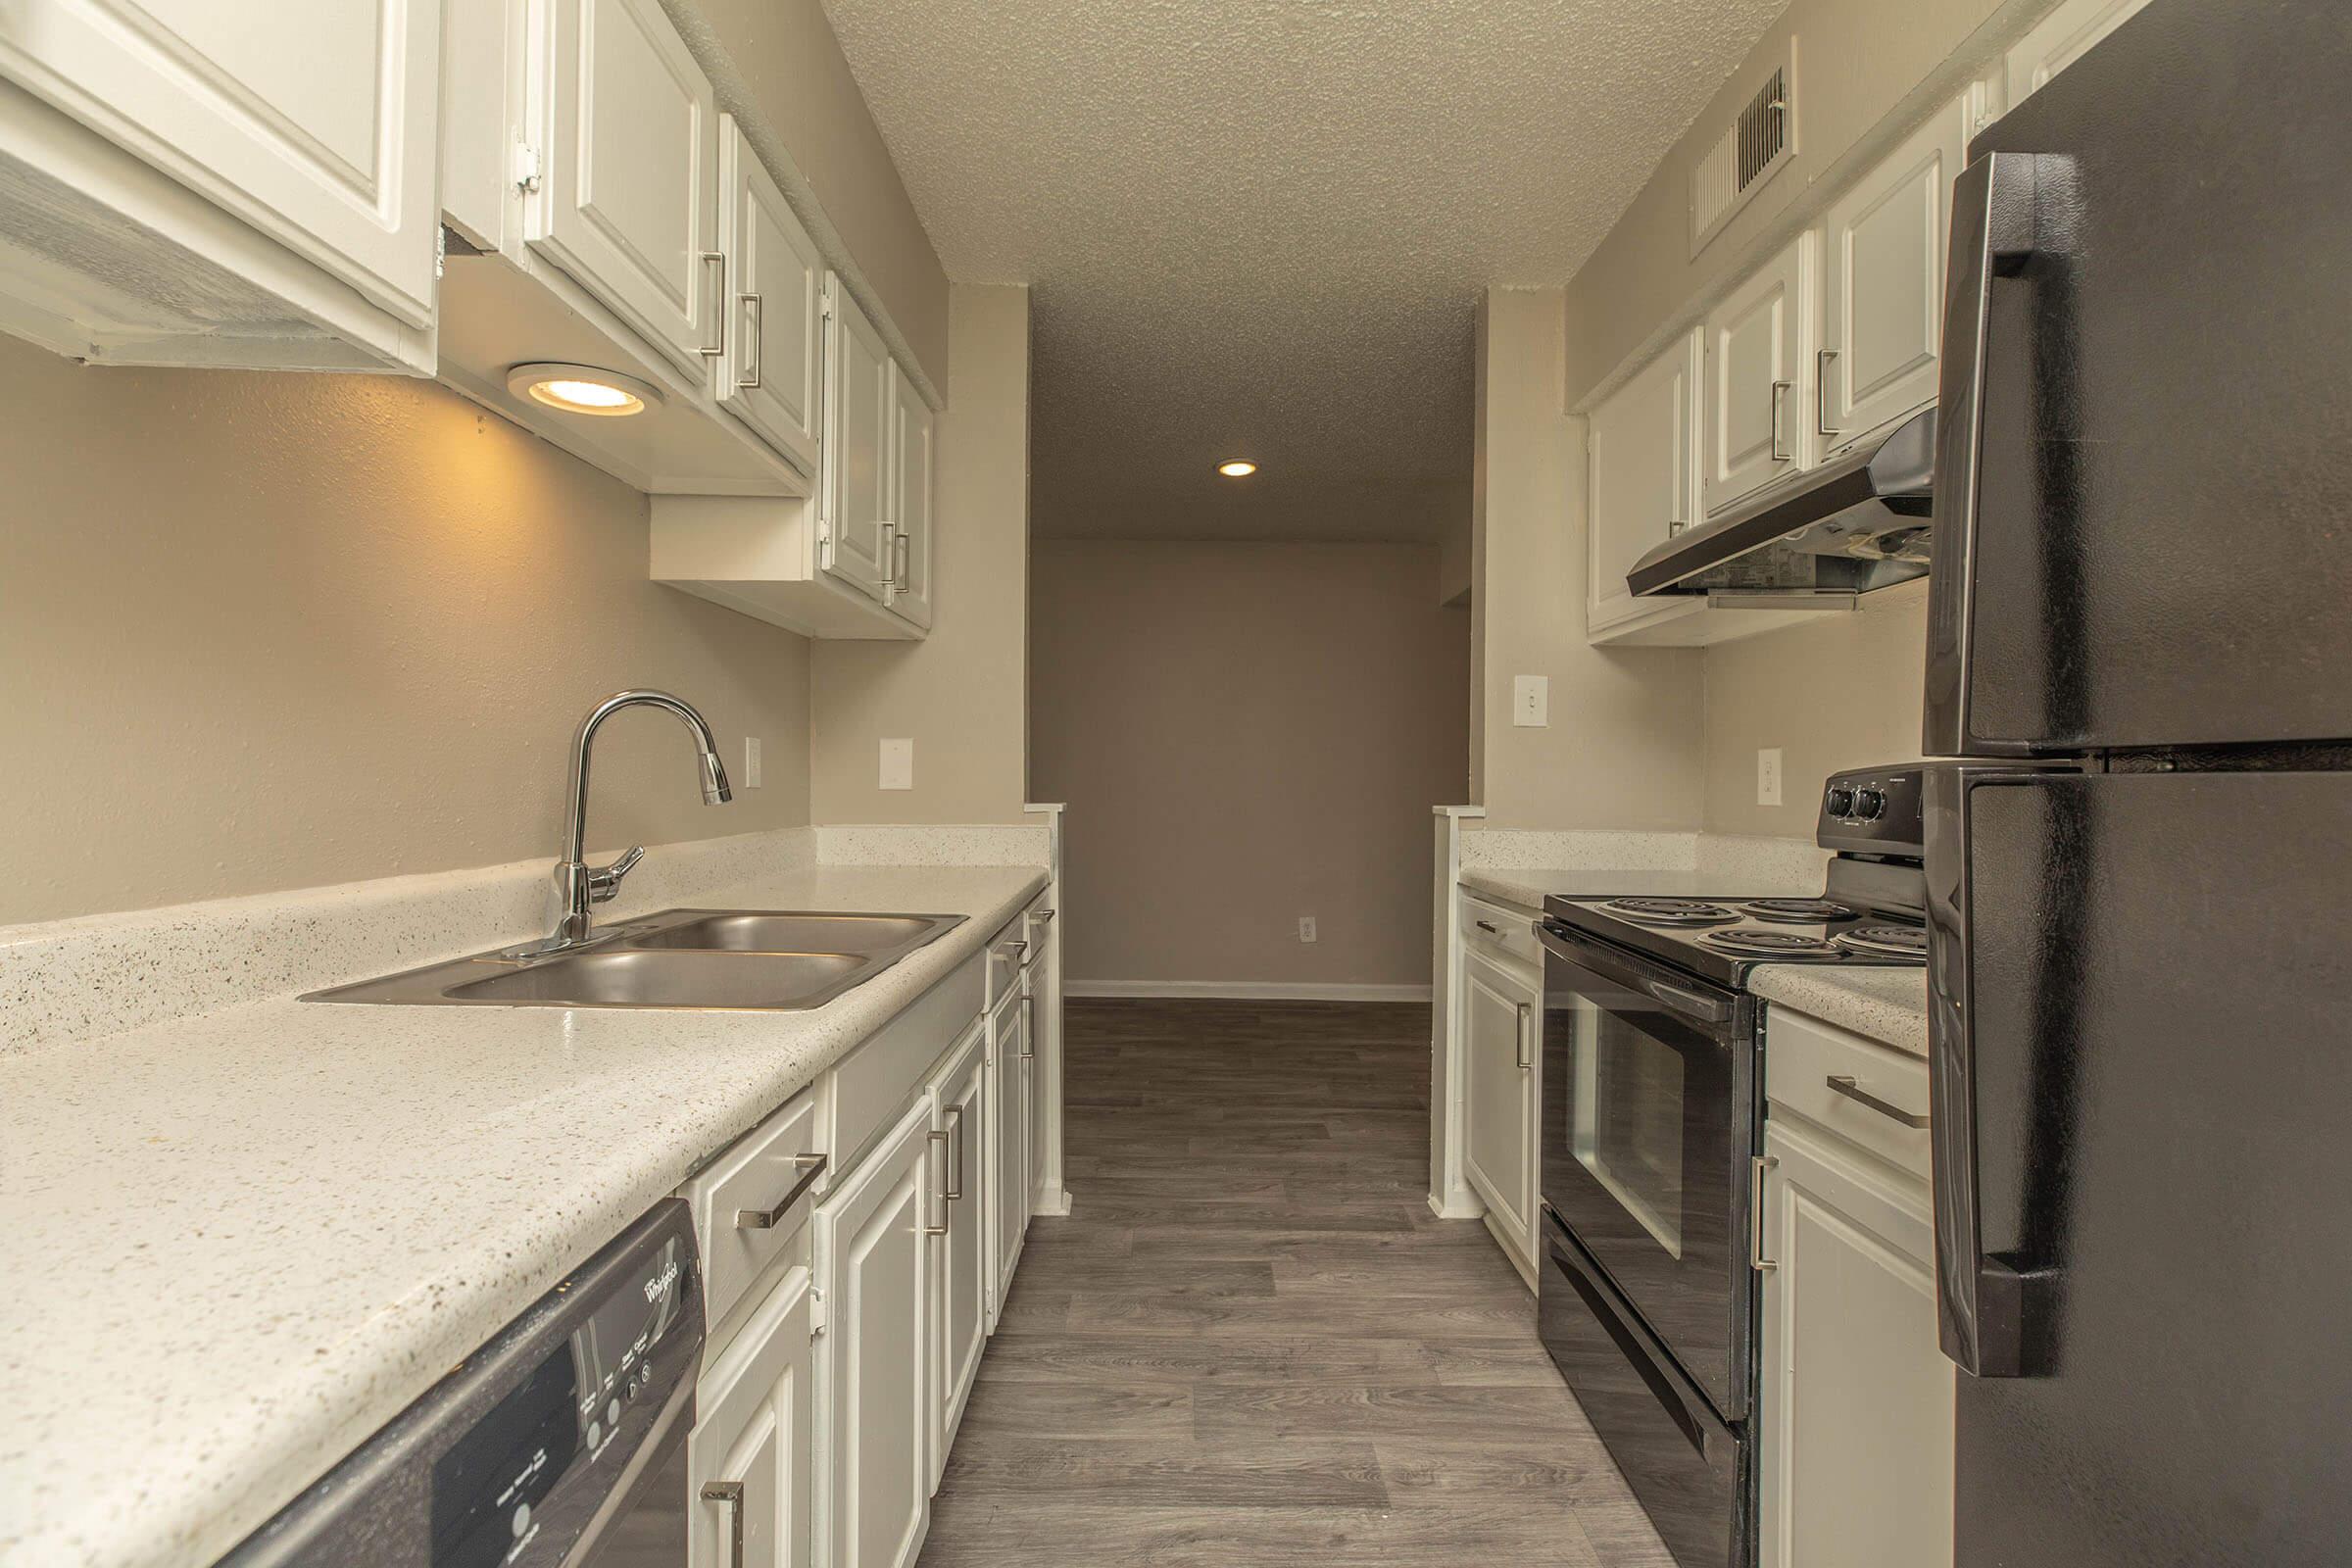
{"x": 583, "y": 389}
{"x": 1237, "y": 468}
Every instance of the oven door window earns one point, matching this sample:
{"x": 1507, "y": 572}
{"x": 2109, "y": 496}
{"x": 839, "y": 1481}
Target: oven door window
{"x": 1646, "y": 1142}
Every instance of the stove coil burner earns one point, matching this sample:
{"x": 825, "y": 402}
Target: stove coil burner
{"x": 1800, "y": 911}
{"x": 1670, "y": 911}
{"x": 1886, "y": 941}
{"x": 1776, "y": 943}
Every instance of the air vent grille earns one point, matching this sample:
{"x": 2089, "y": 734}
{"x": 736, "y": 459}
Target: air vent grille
{"x": 1751, "y": 149}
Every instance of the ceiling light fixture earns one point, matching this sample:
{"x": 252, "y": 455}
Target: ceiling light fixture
{"x": 583, "y": 389}
{"x": 1237, "y": 468}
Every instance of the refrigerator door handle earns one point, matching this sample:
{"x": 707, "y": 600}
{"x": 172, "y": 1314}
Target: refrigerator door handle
{"x": 1993, "y": 235}
{"x": 1995, "y": 1311}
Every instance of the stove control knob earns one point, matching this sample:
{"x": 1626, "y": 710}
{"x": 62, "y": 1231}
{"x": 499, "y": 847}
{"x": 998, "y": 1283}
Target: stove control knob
{"x": 1842, "y": 800}
{"x": 1869, "y": 805}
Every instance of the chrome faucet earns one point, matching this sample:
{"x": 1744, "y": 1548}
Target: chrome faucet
{"x": 578, "y": 885}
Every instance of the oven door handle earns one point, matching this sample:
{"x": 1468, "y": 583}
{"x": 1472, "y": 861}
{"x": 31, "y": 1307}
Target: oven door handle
{"x": 1690, "y": 1004}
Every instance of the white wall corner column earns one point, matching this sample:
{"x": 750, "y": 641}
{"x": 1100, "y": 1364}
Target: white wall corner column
{"x": 1054, "y": 1193}
{"x": 1450, "y": 1193}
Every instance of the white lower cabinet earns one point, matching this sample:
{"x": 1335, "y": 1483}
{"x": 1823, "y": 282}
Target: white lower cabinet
{"x": 750, "y": 1457}
{"x": 1854, "y": 1415}
{"x": 962, "y": 1280}
{"x": 1012, "y": 1062}
{"x": 1502, "y": 1012}
{"x": 873, "y": 1265}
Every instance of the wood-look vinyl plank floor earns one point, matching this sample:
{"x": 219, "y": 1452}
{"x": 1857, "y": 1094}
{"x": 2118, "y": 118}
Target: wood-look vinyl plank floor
{"x": 1252, "y": 1345}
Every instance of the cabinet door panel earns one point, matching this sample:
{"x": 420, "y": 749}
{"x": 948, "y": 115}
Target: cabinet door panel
{"x": 772, "y": 371}
{"x": 962, "y": 1268}
{"x": 1642, "y": 476}
{"x": 857, "y": 456}
{"x": 1013, "y": 1069}
{"x": 913, "y": 429}
{"x": 755, "y": 1430}
{"x": 628, "y": 199}
{"x": 1855, "y": 1414}
{"x": 319, "y": 125}
{"x": 1759, "y": 376}
{"x": 1499, "y": 1017}
{"x": 876, "y": 1274}
{"x": 1883, "y": 274}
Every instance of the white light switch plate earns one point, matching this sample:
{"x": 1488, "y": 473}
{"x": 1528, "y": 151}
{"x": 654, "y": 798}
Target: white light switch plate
{"x": 751, "y": 762}
{"x": 1768, "y": 775}
{"x": 1531, "y": 701}
{"x": 897, "y": 764}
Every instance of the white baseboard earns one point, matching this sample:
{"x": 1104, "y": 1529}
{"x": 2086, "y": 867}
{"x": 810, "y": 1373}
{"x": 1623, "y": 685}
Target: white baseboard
{"x": 1247, "y": 989}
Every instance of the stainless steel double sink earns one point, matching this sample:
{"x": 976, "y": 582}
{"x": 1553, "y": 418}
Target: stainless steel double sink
{"x": 743, "y": 961}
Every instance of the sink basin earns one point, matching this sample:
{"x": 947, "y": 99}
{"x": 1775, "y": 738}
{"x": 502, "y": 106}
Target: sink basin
{"x": 765, "y": 960}
{"x": 626, "y": 978}
{"x": 750, "y": 931}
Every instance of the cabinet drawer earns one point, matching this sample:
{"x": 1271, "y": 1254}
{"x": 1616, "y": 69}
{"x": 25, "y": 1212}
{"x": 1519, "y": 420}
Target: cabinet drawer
{"x": 874, "y": 1083}
{"x": 753, "y": 1178}
{"x": 1820, "y": 1072}
{"x": 1009, "y": 958}
{"x": 1494, "y": 929}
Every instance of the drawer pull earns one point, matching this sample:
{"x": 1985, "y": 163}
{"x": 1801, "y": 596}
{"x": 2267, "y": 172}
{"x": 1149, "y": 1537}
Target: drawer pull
{"x": 1489, "y": 927}
{"x": 1526, "y": 1014}
{"x": 728, "y": 1495}
{"x": 760, "y": 1219}
{"x": 1843, "y": 1084}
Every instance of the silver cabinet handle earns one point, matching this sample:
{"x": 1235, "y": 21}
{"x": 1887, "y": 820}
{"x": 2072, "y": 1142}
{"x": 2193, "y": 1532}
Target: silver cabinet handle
{"x": 1779, "y": 401}
{"x": 939, "y": 1140}
{"x": 956, "y": 1166}
{"x": 1526, "y": 1014}
{"x": 761, "y": 1219}
{"x": 901, "y": 555}
{"x": 1020, "y": 949}
{"x": 888, "y": 551}
{"x": 728, "y": 1495}
{"x": 755, "y": 311}
{"x": 1028, "y": 1026}
{"x": 712, "y": 351}
{"x": 1041, "y": 916}
{"x": 1489, "y": 927}
{"x": 1844, "y": 1084}
{"x": 1821, "y": 391}
{"x": 1756, "y": 1259}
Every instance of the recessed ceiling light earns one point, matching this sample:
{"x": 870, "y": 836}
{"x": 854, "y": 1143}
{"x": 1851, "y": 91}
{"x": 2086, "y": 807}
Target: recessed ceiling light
{"x": 1237, "y": 468}
{"x": 583, "y": 389}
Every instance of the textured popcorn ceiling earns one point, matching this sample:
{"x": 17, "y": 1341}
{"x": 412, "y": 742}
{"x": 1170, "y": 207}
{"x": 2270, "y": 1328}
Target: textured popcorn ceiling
{"x": 1259, "y": 228}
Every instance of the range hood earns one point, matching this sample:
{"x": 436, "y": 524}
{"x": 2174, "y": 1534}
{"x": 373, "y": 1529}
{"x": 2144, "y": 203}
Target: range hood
{"x": 1857, "y": 522}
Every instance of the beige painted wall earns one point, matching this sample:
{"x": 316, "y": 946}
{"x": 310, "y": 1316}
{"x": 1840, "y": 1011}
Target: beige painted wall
{"x": 1622, "y": 749}
{"x": 959, "y": 694}
{"x": 786, "y": 56}
{"x": 1841, "y": 692}
{"x": 1246, "y": 734}
{"x": 269, "y": 631}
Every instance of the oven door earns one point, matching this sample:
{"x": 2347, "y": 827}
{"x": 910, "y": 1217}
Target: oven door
{"x": 1649, "y": 1125}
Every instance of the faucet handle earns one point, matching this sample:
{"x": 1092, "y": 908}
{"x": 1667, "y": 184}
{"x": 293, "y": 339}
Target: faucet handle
{"x": 603, "y": 882}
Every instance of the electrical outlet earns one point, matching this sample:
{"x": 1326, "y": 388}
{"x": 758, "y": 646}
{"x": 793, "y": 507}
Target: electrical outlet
{"x": 1531, "y": 701}
{"x": 751, "y": 762}
{"x": 1768, "y": 775}
{"x": 897, "y": 764}
{"x": 1306, "y": 928}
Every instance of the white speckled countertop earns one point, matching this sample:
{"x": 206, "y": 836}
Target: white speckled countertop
{"x": 1887, "y": 1004}
{"x": 236, "y": 1245}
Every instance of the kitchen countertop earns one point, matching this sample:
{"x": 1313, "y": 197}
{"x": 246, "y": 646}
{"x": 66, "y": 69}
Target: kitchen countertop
{"x": 238, "y": 1244}
{"x": 1887, "y": 1004}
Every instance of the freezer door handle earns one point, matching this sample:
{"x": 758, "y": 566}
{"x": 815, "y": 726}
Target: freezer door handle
{"x": 1995, "y": 1309}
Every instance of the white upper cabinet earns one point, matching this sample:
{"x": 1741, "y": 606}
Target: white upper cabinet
{"x": 858, "y": 485}
{"x": 913, "y": 431}
{"x": 312, "y": 127}
{"x": 2058, "y": 40}
{"x": 771, "y": 374}
{"x": 1642, "y": 477}
{"x": 1882, "y": 272}
{"x": 626, "y": 130}
{"x": 1759, "y": 376}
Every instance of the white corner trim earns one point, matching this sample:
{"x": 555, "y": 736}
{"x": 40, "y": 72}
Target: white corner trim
{"x": 1247, "y": 989}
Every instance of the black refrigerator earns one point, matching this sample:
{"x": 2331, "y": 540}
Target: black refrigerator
{"x": 2140, "y": 861}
